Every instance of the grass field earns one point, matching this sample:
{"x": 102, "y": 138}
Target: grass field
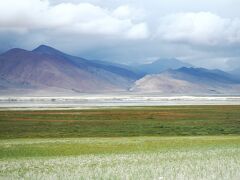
{"x": 119, "y": 122}
{"x": 205, "y": 157}
{"x": 177, "y": 142}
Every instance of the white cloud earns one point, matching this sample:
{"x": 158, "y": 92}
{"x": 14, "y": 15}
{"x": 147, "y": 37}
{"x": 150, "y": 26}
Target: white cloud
{"x": 205, "y": 33}
{"x": 21, "y": 14}
{"x": 122, "y": 12}
{"x": 201, "y": 28}
{"x": 81, "y": 18}
{"x": 126, "y": 11}
{"x": 139, "y": 31}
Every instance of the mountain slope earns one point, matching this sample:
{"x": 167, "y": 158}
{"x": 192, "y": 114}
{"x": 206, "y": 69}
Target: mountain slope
{"x": 84, "y": 63}
{"x": 188, "y": 80}
{"x": 46, "y": 67}
{"x": 162, "y": 65}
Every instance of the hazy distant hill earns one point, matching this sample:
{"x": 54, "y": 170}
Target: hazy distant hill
{"x": 161, "y": 65}
{"x": 189, "y": 80}
{"x": 45, "y": 68}
{"x": 236, "y": 72}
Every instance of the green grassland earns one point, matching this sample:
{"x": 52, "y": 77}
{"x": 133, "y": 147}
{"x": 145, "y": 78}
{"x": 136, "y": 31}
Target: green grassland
{"x": 170, "y": 158}
{"x": 22, "y": 148}
{"x": 119, "y": 122}
{"x": 175, "y": 142}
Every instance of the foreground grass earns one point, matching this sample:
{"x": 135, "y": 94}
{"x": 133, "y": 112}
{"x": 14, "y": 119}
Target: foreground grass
{"x": 22, "y": 148}
{"x": 205, "y": 157}
{"x": 181, "y": 142}
{"x": 119, "y": 122}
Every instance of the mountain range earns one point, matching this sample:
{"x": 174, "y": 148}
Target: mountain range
{"x": 49, "y": 70}
{"x": 189, "y": 81}
{"x": 161, "y": 65}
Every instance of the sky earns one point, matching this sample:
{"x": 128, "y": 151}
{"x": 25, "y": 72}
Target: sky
{"x": 204, "y": 33}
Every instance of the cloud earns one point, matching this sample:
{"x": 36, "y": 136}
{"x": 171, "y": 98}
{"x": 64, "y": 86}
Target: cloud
{"x": 138, "y": 31}
{"x": 122, "y": 12}
{"x": 68, "y": 18}
{"x": 127, "y": 31}
{"x": 200, "y": 28}
{"x": 126, "y": 11}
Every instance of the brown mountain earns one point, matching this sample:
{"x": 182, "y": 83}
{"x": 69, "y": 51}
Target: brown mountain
{"x": 48, "y": 68}
{"x": 189, "y": 81}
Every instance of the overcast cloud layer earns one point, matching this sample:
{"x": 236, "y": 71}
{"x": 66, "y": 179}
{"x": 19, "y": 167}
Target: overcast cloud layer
{"x": 135, "y": 31}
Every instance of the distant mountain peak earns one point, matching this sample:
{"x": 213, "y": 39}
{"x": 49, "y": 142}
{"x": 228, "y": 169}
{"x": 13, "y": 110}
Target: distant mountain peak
{"x": 44, "y": 49}
{"x": 15, "y": 50}
{"x": 187, "y": 68}
{"x": 161, "y": 65}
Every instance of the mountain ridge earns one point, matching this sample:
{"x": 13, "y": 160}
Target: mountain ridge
{"x": 188, "y": 80}
{"x": 47, "y": 67}
{"x": 161, "y": 65}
